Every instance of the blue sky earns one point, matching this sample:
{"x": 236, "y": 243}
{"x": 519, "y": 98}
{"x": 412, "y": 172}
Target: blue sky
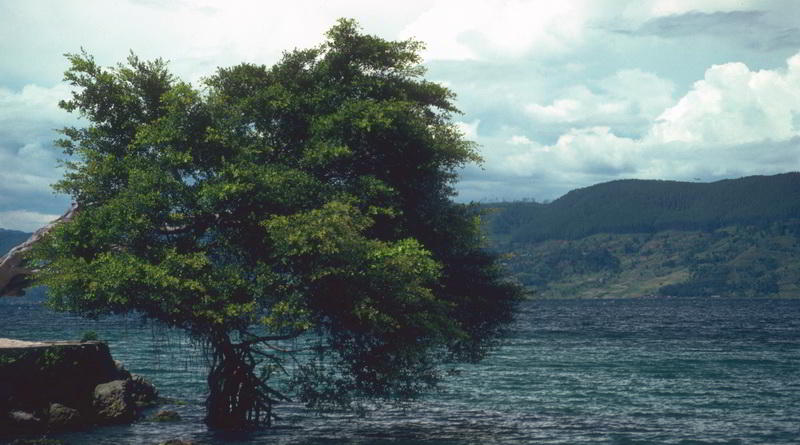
{"x": 559, "y": 95}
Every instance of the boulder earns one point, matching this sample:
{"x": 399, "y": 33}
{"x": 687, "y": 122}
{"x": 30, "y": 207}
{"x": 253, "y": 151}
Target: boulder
{"x": 34, "y": 374}
{"x": 143, "y": 392}
{"x": 113, "y": 402}
{"x": 62, "y": 417}
{"x": 23, "y": 422}
{"x": 56, "y": 386}
{"x": 167, "y": 416}
{"x": 122, "y": 373}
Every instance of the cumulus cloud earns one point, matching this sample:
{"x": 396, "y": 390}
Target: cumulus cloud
{"x": 734, "y": 122}
{"x": 593, "y": 150}
{"x": 629, "y": 97}
{"x": 733, "y": 104}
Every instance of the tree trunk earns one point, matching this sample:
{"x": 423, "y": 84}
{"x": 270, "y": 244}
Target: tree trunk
{"x": 14, "y": 276}
{"x": 237, "y": 399}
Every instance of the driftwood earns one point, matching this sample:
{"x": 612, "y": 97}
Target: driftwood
{"x": 14, "y": 276}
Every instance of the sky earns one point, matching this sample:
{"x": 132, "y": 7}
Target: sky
{"x": 558, "y": 94}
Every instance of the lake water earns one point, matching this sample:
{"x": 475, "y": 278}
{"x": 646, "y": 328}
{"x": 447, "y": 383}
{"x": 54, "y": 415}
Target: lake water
{"x": 647, "y": 371}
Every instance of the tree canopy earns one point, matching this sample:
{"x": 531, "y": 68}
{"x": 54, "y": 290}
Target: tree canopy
{"x": 297, "y": 219}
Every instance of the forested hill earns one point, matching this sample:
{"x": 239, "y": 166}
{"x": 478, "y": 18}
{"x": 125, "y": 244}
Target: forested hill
{"x": 11, "y": 238}
{"x": 647, "y": 206}
{"x": 733, "y": 238}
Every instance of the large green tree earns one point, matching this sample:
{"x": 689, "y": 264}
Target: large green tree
{"x": 297, "y": 219}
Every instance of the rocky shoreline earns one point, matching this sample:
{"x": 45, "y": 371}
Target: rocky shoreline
{"x": 59, "y": 386}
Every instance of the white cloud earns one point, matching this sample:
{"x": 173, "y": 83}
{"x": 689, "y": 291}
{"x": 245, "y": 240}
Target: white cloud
{"x": 644, "y": 94}
{"x": 28, "y": 120}
{"x": 25, "y": 220}
{"x": 469, "y": 129}
{"x": 17, "y": 181}
{"x": 569, "y": 109}
{"x": 578, "y": 104}
{"x": 519, "y": 140}
{"x": 628, "y": 96}
{"x": 459, "y": 30}
{"x": 733, "y": 104}
{"x": 734, "y": 122}
{"x": 586, "y": 150}
{"x": 33, "y": 102}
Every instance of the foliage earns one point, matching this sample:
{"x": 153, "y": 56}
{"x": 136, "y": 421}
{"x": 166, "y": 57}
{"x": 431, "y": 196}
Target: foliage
{"x": 556, "y": 264}
{"x": 732, "y": 261}
{"x": 296, "y": 218}
{"x": 89, "y": 336}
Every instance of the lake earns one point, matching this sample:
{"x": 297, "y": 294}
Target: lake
{"x": 634, "y": 371}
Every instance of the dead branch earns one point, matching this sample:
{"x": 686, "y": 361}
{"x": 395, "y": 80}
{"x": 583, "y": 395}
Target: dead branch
{"x": 14, "y": 276}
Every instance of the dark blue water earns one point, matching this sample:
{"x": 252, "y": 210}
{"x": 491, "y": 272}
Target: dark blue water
{"x": 647, "y": 371}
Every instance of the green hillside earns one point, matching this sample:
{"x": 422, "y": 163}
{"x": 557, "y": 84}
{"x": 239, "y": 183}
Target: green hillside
{"x": 735, "y": 238}
{"x": 11, "y": 238}
{"x": 647, "y": 206}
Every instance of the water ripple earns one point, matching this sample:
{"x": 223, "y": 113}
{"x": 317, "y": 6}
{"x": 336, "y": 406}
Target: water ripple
{"x": 571, "y": 372}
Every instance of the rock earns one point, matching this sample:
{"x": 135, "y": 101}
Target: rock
{"x": 37, "y": 374}
{"x": 21, "y": 417}
{"x": 113, "y": 402}
{"x": 122, "y": 373}
{"x": 62, "y": 417}
{"x": 22, "y": 421}
{"x": 57, "y": 386}
{"x": 167, "y": 416}
{"x": 142, "y": 391}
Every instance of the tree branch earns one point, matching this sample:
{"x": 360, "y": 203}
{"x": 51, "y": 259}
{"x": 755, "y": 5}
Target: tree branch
{"x": 263, "y": 339}
{"x": 14, "y": 276}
